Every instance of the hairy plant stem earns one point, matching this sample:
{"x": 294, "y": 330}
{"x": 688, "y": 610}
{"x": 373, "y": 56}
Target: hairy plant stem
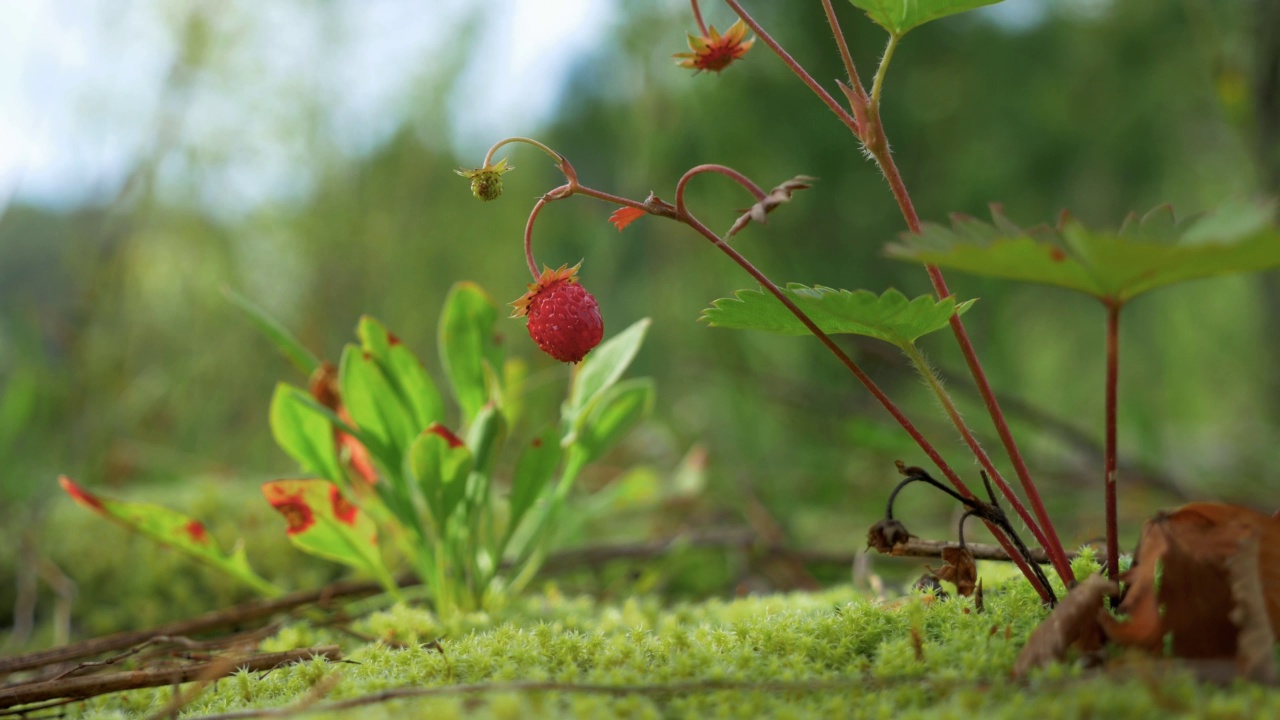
{"x": 845, "y": 56}
{"x": 949, "y": 407}
{"x": 684, "y": 216}
{"x": 1109, "y": 456}
{"x": 488, "y": 157}
{"x": 871, "y": 133}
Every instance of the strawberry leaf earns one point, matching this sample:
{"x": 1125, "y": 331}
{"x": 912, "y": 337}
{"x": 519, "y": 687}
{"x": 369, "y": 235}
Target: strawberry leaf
{"x": 169, "y": 527}
{"x": 323, "y": 522}
{"x": 404, "y": 371}
{"x": 534, "y": 469}
{"x": 889, "y": 317}
{"x": 1145, "y": 254}
{"x": 302, "y": 430}
{"x": 468, "y": 347}
{"x": 375, "y": 406}
{"x": 440, "y": 462}
{"x": 899, "y": 16}
{"x": 602, "y": 368}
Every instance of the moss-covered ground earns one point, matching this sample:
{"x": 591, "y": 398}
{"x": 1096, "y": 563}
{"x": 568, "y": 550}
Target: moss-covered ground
{"x": 831, "y": 654}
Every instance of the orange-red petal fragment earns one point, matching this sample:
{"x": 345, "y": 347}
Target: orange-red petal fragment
{"x": 624, "y": 216}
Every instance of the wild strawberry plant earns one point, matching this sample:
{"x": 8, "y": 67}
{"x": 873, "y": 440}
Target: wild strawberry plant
{"x": 394, "y": 476}
{"x": 1147, "y": 252}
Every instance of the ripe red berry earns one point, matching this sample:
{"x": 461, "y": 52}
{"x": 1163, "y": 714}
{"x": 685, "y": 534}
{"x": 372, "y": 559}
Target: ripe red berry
{"x": 564, "y": 319}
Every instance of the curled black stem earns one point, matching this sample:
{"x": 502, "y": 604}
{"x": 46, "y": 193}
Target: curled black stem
{"x": 991, "y": 512}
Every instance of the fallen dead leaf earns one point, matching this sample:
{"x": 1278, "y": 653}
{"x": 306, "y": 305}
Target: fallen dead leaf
{"x": 960, "y": 570}
{"x": 1073, "y": 622}
{"x": 1191, "y": 547}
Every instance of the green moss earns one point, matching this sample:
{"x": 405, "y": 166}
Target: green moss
{"x": 827, "y": 654}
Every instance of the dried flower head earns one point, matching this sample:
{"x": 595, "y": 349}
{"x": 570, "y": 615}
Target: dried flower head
{"x": 486, "y": 182}
{"x": 714, "y": 51}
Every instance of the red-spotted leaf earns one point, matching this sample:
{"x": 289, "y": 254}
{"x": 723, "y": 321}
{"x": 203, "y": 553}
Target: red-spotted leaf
{"x": 1146, "y": 253}
{"x": 899, "y": 16}
{"x": 890, "y": 317}
{"x": 375, "y": 406}
{"x": 404, "y": 371}
{"x": 302, "y": 429}
{"x": 169, "y": 527}
{"x": 441, "y": 463}
{"x": 324, "y": 522}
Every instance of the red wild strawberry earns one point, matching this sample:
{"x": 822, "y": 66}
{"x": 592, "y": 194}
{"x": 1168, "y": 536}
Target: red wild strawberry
{"x": 564, "y": 318}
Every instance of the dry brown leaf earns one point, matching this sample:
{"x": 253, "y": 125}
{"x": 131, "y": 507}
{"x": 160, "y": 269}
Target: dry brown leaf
{"x": 1255, "y": 651}
{"x": 1191, "y": 546}
{"x": 960, "y": 570}
{"x": 775, "y": 197}
{"x": 887, "y": 534}
{"x": 1073, "y": 622}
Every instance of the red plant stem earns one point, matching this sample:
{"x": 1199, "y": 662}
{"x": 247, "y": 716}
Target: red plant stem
{"x": 683, "y": 215}
{"x": 877, "y": 144}
{"x": 845, "y": 56}
{"x": 800, "y": 72}
{"x": 533, "y": 215}
{"x": 728, "y": 172}
{"x": 1109, "y": 462}
{"x": 697, "y": 17}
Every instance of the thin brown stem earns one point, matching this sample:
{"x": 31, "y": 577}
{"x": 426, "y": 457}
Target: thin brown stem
{"x": 728, "y": 172}
{"x": 796, "y": 68}
{"x": 556, "y": 194}
{"x": 845, "y": 56}
{"x": 871, "y": 387}
{"x": 1109, "y": 461}
{"x": 697, "y": 17}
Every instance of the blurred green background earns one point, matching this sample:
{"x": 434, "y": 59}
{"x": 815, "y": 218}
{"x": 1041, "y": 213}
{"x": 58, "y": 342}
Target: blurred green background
{"x": 303, "y": 153}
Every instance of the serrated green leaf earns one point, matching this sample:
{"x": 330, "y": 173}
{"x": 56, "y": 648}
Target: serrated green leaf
{"x": 889, "y": 317}
{"x": 440, "y": 462}
{"x": 285, "y": 342}
{"x": 305, "y": 433}
{"x": 899, "y": 16}
{"x": 602, "y": 368}
{"x": 374, "y": 405}
{"x": 169, "y": 527}
{"x": 325, "y": 523}
{"x": 468, "y": 345}
{"x": 535, "y": 467}
{"x": 1145, "y": 254}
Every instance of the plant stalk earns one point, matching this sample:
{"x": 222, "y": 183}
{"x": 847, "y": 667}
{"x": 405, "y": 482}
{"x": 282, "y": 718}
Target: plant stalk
{"x": 1109, "y": 461}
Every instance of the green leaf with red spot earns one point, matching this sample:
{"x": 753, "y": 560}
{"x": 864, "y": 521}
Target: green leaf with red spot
{"x": 1146, "y": 253}
{"x": 441, "y": 463}
{"x": 535, "y": 467}
{"x": 469, "y": 347}
{"x": 169, "y": 527}
{"x": 303, "y": 429}
{"x": 890, "y": 317}
{"x": 404, "y": 371}
{"x": 899, "y": 16}
{"x": 375, "y": 406}
{"x": 324, "y": 522}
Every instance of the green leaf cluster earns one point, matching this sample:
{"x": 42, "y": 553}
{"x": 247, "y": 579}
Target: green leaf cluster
{"x": 1146, "y": 253}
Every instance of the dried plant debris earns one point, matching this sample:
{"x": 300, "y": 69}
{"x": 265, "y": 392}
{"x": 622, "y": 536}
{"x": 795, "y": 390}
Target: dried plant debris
{"x": 771, "y": 201}
{"x": 960, "y": 570}
{"x": 1206, "y": 579}
{"x": 1189, "y": 548}
{"x": 886, "y": 535}
{"x": 1074, "y": 622}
